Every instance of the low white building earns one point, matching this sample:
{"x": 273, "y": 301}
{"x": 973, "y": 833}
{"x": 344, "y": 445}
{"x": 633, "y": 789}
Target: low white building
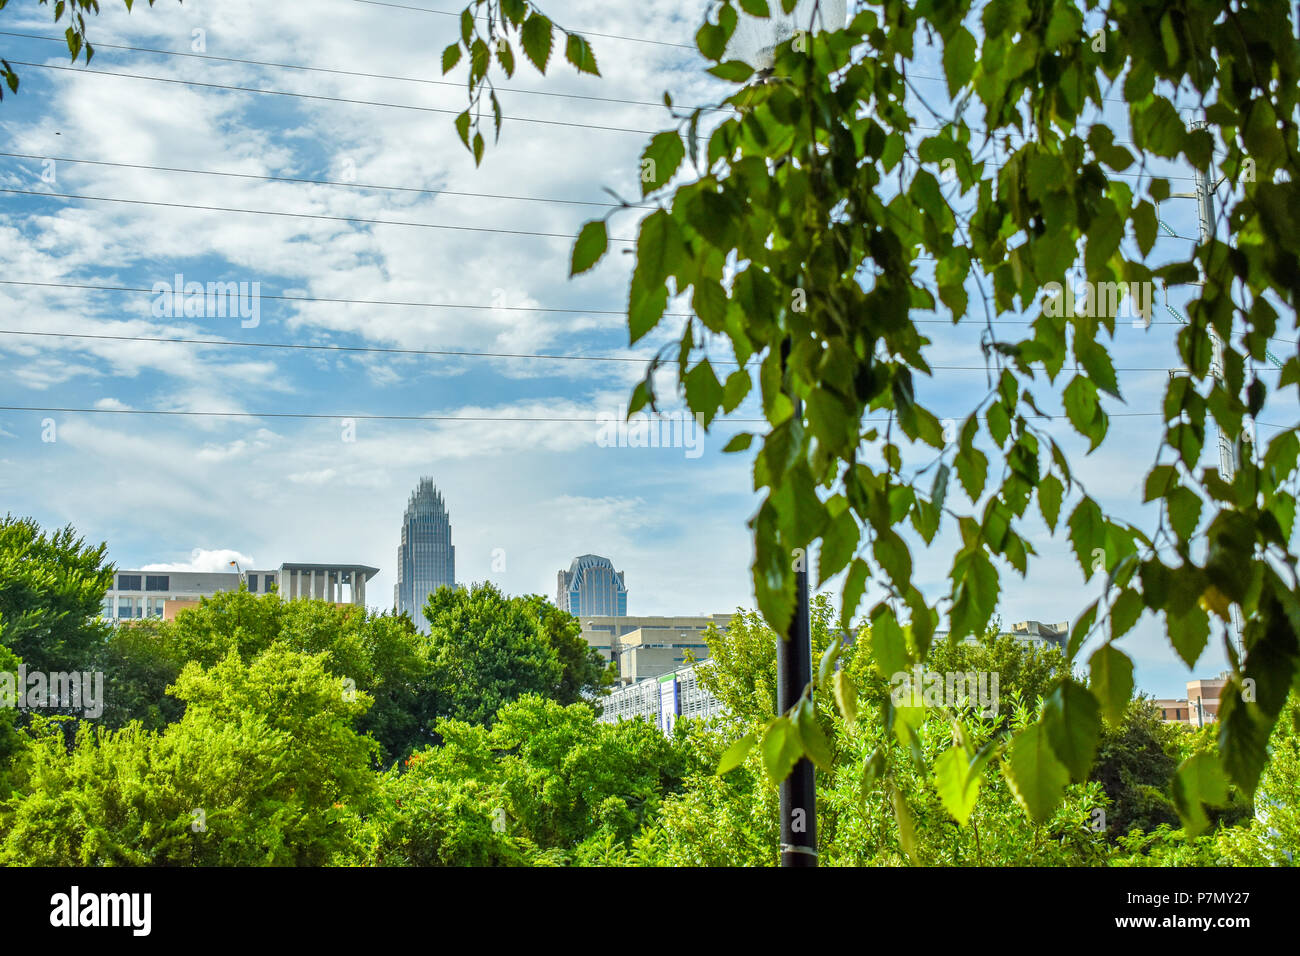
{"x": 139, "y": 595}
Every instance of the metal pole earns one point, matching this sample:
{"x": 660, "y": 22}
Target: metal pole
{"x": 793, "y": 674}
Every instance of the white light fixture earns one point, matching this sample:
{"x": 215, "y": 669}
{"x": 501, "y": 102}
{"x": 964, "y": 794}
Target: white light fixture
{"x": 756, "y": 38}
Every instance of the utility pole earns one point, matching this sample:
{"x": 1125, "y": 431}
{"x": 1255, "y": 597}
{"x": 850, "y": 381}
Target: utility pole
{"x": 793, "y": 674}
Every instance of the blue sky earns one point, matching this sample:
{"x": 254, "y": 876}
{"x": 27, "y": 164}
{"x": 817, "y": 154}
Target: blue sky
{"x": 194, "y": 491}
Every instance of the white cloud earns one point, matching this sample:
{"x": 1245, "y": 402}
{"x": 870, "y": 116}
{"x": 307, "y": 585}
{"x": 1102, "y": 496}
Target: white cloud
{"x": 202, "y": 559}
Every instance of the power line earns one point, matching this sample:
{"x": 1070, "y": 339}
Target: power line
{"x": 971, "y": 324}
{"x": 329, "y": 99}
{"x": 589, "y": 33}
{"x": 318, "y": 182}
{"x": 302, "y": 215}
{"x": 356, "y": 73}
{"x": 452, "y": 418}
{"x": 455, "y": 353}
{"x": 341, "y": 301}
{"x": 321, "y": 415}
{"x": 385, "y": 186}
{"x": 449, "y": 353}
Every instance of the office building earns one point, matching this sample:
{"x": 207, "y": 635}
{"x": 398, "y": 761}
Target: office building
{"x": 140, "y": 595}
{"x": 1199, "y": 707}
{"x": 591, "y": 587}
{"x": 661, "y": 700}
{"x": 1033, "y": 633}
{"x": 646, "y": 647}
{"x": 426, "y": 558}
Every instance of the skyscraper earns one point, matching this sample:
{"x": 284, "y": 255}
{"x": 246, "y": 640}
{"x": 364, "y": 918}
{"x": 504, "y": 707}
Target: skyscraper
{"x": 426, "y": 558}
{"x": 591, "y": 587}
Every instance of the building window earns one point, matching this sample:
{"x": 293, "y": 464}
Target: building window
{"x": 156, "y": 582}
{"x": 252, "y": 583}
{"x": 128, "y": 582}
{"x": 270, "y": 582}
{"x": 125, "y": 608}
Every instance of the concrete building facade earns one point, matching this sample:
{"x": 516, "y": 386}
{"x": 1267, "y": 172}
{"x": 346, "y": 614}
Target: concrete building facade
{"x": 646, "y": 647}
{"x": 141, "y": 595}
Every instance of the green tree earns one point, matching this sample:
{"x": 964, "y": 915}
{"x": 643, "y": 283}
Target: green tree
{"x": 52, "y": 586}
{"x": 1272, "y": 836}
{"x": 264, "y": 768}
{"x": 812, "y": 218}
{"x": 585, "y": 675}
{"x": 546, "y": 783}
{"x": 383, "y": 655}
{"x": 485, "y": 650}
{"x": 139, "y": 663}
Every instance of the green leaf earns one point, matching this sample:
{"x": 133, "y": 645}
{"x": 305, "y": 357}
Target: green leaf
{"x": 1124, "y": 613}
{"x": 738, "y": 442}
{"x": 781, "y": 748}
{"x": 1072, "y": 719}
{"x": 846, "y": 695}
{"x": 738, "y": 385}
{"x": 872, "y": 768}
{"x": 450, "y": 57}
{"x": 815, "y": 744}
{"x": 855, "y": 584}
{"x": 1081, "y": 407}
{"x": 591, "y": 245}
{"x": 1036, "y": 777}
{"x": 755, "y": 8}
{"x": 888, "y": 645}
{"x": 1050, "y": 493}
{"x": 536, "y": 36}
{"x": 578, "y": 52}
{"x": 906, "y": 828}
{"x": 1189, "y": 633}
{"x": 839, "y": 544}
{"x": 735, "y": 71}
{"x": 957, "y": 787}
{"x": 891, "y": 554}
{"x": 1184, "y": 507}
{"x": 972, "y": 470}
{"x": 661, "y": 159}
{"x": 1243, "y": 738}
{"x": 958, "y": 59}
{"x": 1199, "y": 780}
{"x": 1112, "y": 681}
{"x": 735, "y": 755}
{"x": 1087, "y": 534}
{"x": 703, "y": 391}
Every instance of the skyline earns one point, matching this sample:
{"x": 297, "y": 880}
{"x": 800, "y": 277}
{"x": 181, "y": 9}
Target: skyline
{"x": 275, "y": 488}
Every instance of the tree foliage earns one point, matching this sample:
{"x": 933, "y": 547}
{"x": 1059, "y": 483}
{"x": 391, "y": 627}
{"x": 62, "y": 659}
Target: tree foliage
{"x": 810, "y": 225}
{"x": 51, "y": 588}
{"x": 264, "y": 768}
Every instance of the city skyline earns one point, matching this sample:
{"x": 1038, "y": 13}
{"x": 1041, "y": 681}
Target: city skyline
{"x": 250, "y": 454}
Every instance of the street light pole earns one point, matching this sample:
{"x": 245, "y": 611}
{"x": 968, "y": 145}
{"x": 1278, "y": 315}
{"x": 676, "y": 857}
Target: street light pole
{"x": 755, "y": 41}
{"x": 798, "y": 791}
